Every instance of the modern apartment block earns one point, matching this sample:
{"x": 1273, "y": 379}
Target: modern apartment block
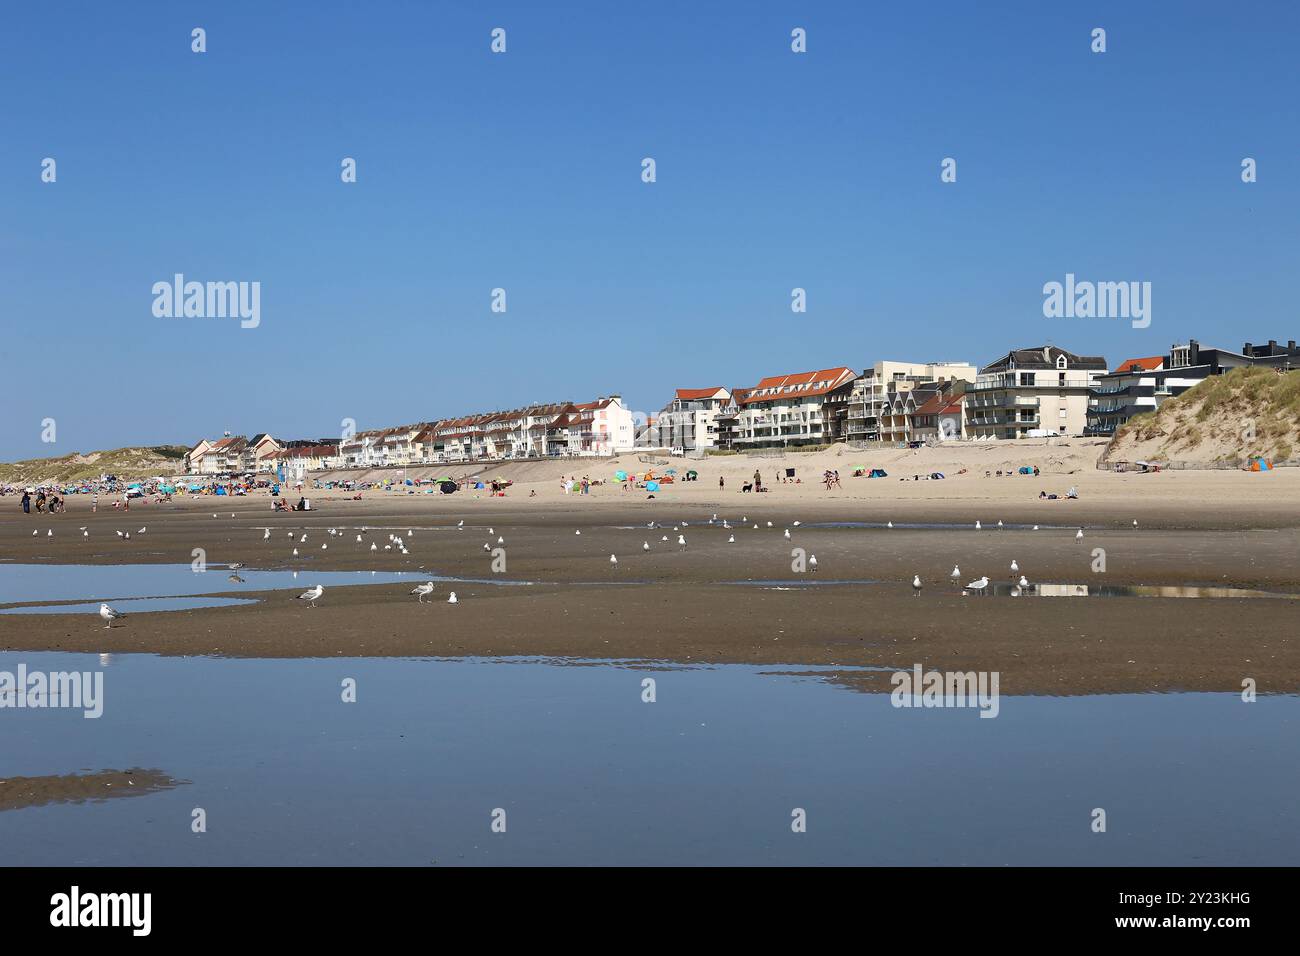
{"x": 1030, "y": 393}
{"x": 1138, "y": 386}
{"x": 786, "y": 410}
{"x": 689, "y": 421}
{"x": 875, "y": 393}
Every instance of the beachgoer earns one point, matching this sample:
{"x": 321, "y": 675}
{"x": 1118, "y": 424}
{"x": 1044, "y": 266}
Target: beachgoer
{"x": 27, "y": 503}
{"x": 721, "y": 483}
{"x": 758, "y": 481}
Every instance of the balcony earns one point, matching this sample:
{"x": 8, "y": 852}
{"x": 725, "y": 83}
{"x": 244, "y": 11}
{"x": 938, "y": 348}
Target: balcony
{"x": 1012, "y": 383}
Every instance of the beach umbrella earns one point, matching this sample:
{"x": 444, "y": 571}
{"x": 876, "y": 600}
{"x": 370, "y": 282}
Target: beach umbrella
{"x": 620, "y": 475}
{"x": 652, "y": 486}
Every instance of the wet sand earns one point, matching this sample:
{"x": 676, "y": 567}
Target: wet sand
{"x": 674, "y": 605}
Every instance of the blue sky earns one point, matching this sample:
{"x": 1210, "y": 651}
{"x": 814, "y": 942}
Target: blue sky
{"x": 522, "y": 171}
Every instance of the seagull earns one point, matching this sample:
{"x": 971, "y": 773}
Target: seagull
{"x": 796, "y": 524}
{"x": 1135, "y": 522}
{"x": 35, "y": 533}
{"x": 234, "y": 579}
{"x": 423, "y": 589}
{"x": 49, "y": 533}
{"x": 324, "y": 546}
{"x": 977, "y": 525}
{"x": 142, "y": 530}
{"x": 451, "y": 598}
{"x": 681, "y": 540}
{"x": 889, "y": 524}
{"x": 85, "y": 534}
{"x": 234, "y": 567}
{"x": 312, "y": 595}
{"x": 645, "y": 545}
{"x": 664, "y": 538}
{"x": 500, "y": 540}
{"x": 303, "y": 538}
{"x": 978, "y": 585}
{"x": 109, "y": 615}
{"x": 358, "y": 539}
{"x": 295, "y": 552}
{"x": 486, "y": 546}
{"x": 1023, "y": 583}
{"x": 290, "y": 535}
{"x": 1014, "y": 567}
{"x": 373, "y": 546}
{"x": 999, "y": 522}
{"x": 1035, "y": 527}
{"x": 916, "y": 584}
{"x": 787, "y": 534}
{"x": 1079, "y": 536}
{"x": 812, "y": 562}
{"x": 266, "y": 533}
{"x": 579, "y": 531}
{"x": 769, "y": 524}
{"x": 731, "y": 540}
{"x": 461, "y": 523}
{"x": 127, "y": 536}
{"x": 956, "y": 573}
{"x": 613, "y": 559}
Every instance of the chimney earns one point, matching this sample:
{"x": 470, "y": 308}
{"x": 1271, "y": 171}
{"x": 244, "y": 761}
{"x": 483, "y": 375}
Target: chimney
{"x": 1245, "y": 350}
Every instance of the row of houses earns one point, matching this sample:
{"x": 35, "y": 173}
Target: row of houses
{"x": 587, "y": 429}
{"x": 1026, "y": 393}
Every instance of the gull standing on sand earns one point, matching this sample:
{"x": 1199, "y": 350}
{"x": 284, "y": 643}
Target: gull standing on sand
{"x": 311, "y": 595}
{"x": 977, "y": 524}
{"x": 109, "y": 615}
{"x": 681, "y": 540}
{"x": 295, "y": 552}
{"x": 645, "y": 545}
{"x": 423, "y": 589}
{"x": 451, "y": 598}
{"x": 916, "y": 584}
{"x": 579, "y": 531}
{"x": 812, "y": 562}
{"x": 731, "y": 540}
{"x": 266, "y": 533}
{"x": 889, "y": 524}
{"x": 978, "y": 585}
{"x": 1014, "y": 567}
{"x": 956, "y": 574}
{"x": 787, "y": 534}
{"x": 1023, "y": 582}
{"x": 1079, "y": 536}
{"x": 613, "y": 559}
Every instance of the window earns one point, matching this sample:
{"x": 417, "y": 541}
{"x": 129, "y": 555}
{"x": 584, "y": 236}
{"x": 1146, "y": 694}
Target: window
{"x": 1060, "y": 361}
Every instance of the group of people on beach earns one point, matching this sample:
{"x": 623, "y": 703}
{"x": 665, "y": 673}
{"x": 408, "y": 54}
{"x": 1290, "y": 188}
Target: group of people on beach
{"x": 51, "y": 505}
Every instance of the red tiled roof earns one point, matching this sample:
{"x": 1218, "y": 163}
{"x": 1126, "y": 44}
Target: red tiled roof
{"x": 1145, "y": 364}
{"x": 687, "y": 394}
{"x": 801, "y": 384}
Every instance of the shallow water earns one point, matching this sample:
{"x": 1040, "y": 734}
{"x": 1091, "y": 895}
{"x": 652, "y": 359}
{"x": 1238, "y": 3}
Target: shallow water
{"x": 121, "y": 582}
{"x": 132, "y": 605}
{"x": 589, "y": 774}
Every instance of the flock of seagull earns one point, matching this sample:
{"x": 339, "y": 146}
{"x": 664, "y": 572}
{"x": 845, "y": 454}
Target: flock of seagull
{"x": 980, "y": 585}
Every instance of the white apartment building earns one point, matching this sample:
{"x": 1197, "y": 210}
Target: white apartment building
{"x": 788, "y": 409}
{"x": 689, "y": 421}
{"x": 873, "y": 396}
{"x": 1030, "y": 393}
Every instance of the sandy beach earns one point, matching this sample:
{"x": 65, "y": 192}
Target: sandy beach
{"x": 708, "y": 602}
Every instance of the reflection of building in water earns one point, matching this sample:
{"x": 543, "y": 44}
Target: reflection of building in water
{"x": 1059, "y": 590}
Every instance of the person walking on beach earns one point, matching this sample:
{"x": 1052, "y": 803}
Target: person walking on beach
{"x": 94, "y": 501}
{"x": 27, "y": 503}
{"x": 721, "y": 483}
{"x": 758, "y": 481}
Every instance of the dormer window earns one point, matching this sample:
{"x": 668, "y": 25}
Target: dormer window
{"x": 1060, "y": 361}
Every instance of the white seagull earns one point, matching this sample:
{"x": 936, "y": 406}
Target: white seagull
{"x": 1079, "y": 536}
{"x": 978, "y": 585}
{"x": 731, "y": 540}
{"x": 645, "y": 545}
{"x": 423, "y": 589}
{"x": 956, "y": 573}
{"x": 681, "y": 540}
{"x": 109, "y": 615}
{"x": 1014, "y": 567}
{"x": 311, "y": 595}
{"x": 977, "y": 525}
{"x": 613, "y": 559}
{"x": 916, "y": 584}
{"x": 787, "y": 534}
{"x": 579, "y": 531}
{"x": 1023, "y": 583}
{"x": 812, "y": 562}
{"x": 451, "y": 598}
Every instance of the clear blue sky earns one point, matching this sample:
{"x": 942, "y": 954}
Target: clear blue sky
{"x": 522, "y": 171}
